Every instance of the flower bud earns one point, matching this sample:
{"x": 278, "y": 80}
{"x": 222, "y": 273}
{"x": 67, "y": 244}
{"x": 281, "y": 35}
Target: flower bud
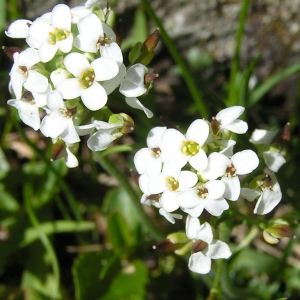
{"x": 10, "y": 51}
{"x": 151, "y": 41}
{"x": 58, "y": 150}
{"x": 128, "y": 123}
{"x": 276, "y": 229}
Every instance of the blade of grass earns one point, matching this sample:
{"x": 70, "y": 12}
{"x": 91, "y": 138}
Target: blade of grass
{"x": 197, "y": 97}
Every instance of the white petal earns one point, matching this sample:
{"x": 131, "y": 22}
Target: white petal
{"x": 61, "y": 17}
{"x": 47, "y": 51}
{"x": 157, "y": 184}
{"x": 135, "y": 103}
{"x": 112, "y": 51}
{"x": 70, "y": 88}
{"x": 86, "y": 43}
{"x": 94, "y": 97}
{"x": 39, "y": 31}
{"x": 105, "y": 68}
{"x": 205, "y": 233}
{"x": 71, "y": 160}
{"x": 58, "y": 76}
{"x": 90, "y": 26}
{"x": 249, "y": 194}
{"x": 191, "y": 227}
{"x": 195, "y": 211}
{"x": 198, "y": 132}
{"x": 100, "y": 141}
{"x": 136, "y": 74}
{"x": 168, "y": 201}
{"x": 29, "y": 57}
{"x": 41, "y": 98}
{"x": 108, "y": 32}
{"x": 76, "y": 63}
{"x": 65, "y": 45}
{"x": 189, "y": 199}
{"x": 216, "y": 206}
{"x": 199, "y": 263}
{"x": 199, "y": 161}
{"x": 186, "y": 180}
{"x": 273, "y": 160}
{"x": 168, "y": 216}
{"x": 177, "y": 160}
{"x": 54, "y": 124}
{"x": 218, "y": 249}
{"x": 154, "y": 137}
{"x": 70, "y": 135}
{"x": 85, "y": 129}
{"x": 173, "y": 139}
{"x": 233, "y": 188}
{"x": 261, "y": 136}
{"x": 55, "y": 101}
{"x": 36, "y": 82}
{"x": 217, "y": 165}
{"x": 129, "y": 89}
{"x": 228, "y": 115}
{"x": 228, "y": 147}
{"x": 267, "y": 202}
{"x": 237, "y": 126}
{"x": 18, "y": 29}
{"x": 245, "y": 161}
{"x": 216, "y": 189}
{"x": 112, "y": 84}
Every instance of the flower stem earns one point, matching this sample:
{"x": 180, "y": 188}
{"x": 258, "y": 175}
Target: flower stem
{"x": 112, "y": 169}
{"x": 199, "y": 102}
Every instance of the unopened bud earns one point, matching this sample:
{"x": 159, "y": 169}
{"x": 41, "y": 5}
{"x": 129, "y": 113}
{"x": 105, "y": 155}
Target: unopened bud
{"x": 152, "y": 41}
{"x": 165, "y": 246}
{"x": 286, "y": 132}
{"x": 149, "y": 77}
{"x": 215, "y": 125}
{"x": 58, "y": 150}
{"x": 10, "y": 51}
{"x": 128, "y": 125}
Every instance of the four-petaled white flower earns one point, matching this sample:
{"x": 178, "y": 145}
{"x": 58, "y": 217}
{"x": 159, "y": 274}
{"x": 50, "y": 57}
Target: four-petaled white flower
{"x": 187, "y": 148}
{"x": 53, "y": 36}
{"x": 208, "y": 196}
{"x": 205, "y": 247}
{"x": 58, "y": 122}
{"x": 241, "y": 163}
{"x": 85, "y": 84}
{"x": 228, "y": 119}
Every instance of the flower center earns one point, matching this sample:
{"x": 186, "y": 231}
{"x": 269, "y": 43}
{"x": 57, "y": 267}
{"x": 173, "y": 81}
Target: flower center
{"x": 190, "y": 148}
{"x": 58, "y": 35}
{"x": 87, "y": 78}
{"x": 67, "y": 113}
{"x": 230, "y": 171}
{"x": 23, "y": 70}
{"x": 172, "y": 183}
{"x": 156, "y": 152}
{"x": 199, "y": 246}
{"x": 103, "y": 41}
{"x": 202, "y": 192}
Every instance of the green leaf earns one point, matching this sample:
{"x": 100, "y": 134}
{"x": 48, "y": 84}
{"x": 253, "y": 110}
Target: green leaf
{"x": 4, "y": 165}
{"x": 7, "y": 202}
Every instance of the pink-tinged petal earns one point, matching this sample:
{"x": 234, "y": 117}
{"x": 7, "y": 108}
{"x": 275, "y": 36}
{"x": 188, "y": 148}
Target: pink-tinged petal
{"x": 217, "y": 165}
{"x": 76, "y": 63}
{"x": 100, "y": 141}
{"x": 129, "y": 89}
{"x": 261, "y": 136}
{"x": 19, "y": 29}
{"x": 112, "y": 84}
{"x": 61, "y": 17}
{"x": 198, "y": 132}
{"x": 232, "y": 188}
{"x": 195, "y": 211}
{"x": 70, "y": 88}
{"x": 267, "y": 202}
{"x": 86, "y": 43}
{"x": 199, "y": 263}
{"x": 71, "y": 160}
{"x": 105, "y": 68}
{"x": 65, "y": 45}
{"x": 53, "y": 124}
{"x": 188, "y": 199}
{"x": 245, "y": 161}
{"x": 177, "y": 160}
{"x": 237, "y": 126}
{"x": 112, "y": 51}
{"x": 216, "y": 206}
{"x": 249, "y": 194}
{"x": 90, "y": 26}
{"x": 273, "y": 160}
{"x": 28, "y": 113}
{"x": 199, "y": 161}
{"x": 70, "y": 135}
{"x": 135, "y": 103}
{"x": 36, "y": 82}
{"x": 173, "y": 139}
{"x": 55, "y": 101}
{"x": 192, "y": 225}
{"x": 168, "y": 201}
{"x": 186, "y": 180}
{"x": 218, "y": 249}
{"x": 228, "y": 115}
{"x": 205, "y": 233}
{"x": 94, "y": 97}
{"x": 216, "y": 189}
{"x": 47, "y": 51}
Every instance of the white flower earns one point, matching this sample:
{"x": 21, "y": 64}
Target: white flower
{"x": 241, "y": 163}
{"x": 205, "y": 247}
{"x": 208, "y": 196}
{"x": 269, "y": 195}
{"x": 133, "y": 84}
{"x": 70, "y": 158}
{"x": 228, "y": 119}
{"x": 51, "y": 37}
{"x": 58, "y": 122}
{"x": 261, "y": 136}
{"x": 92, "y": 38}
{"x": 24, "y": 75}
{"x": 168, "y": 183}
{"x": 87, "y": 75}
{"x": 187, "y": 148}
{"x": 19, "y": 29}
{"x": 149, "y": 160}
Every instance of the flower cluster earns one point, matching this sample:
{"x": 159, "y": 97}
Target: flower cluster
{"x": 199, "y": 171}
{"x": 72, "y": 64}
